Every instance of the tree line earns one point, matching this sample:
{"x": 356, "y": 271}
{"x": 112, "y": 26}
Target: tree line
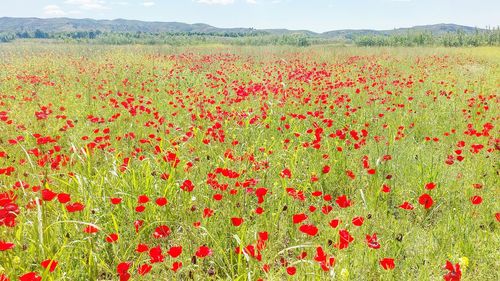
{"x": 172, "y": 38}
{"x": 489, "y": 37}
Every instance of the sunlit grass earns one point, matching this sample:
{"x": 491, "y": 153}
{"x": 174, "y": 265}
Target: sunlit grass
{"x": 412, "y": 104}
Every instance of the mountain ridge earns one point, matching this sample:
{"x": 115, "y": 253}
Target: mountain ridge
{"x": 63, "y": 24}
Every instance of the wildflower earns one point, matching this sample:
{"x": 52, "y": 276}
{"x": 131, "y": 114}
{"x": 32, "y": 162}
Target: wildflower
{"x": 203, "y": 251}
{"x": 464, "y": 263}
{"x": 387, "y": 263}
{"x": 344, "y": 274}
{"x": 425, "y": 200}
{"x": 454, "y": 274}
{"x": 50, "y": 264}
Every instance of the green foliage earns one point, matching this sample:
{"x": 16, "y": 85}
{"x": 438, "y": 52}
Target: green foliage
{"x": 257, "y": 38}
{"x": 459, "y": 38}
{"x": 170, "y": 97}
{"x": 490, "y": 37}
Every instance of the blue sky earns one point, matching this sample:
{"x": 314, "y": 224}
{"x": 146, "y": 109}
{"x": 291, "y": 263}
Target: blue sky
{"x": 315, "y": 15}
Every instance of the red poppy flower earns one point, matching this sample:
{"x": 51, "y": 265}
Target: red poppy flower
{"x": 176, "y": 266}
{"x": 207, "y": 212}
{"x": 326, "y": 169}
{"x": 387, "y": 263}
{"x": 266, "y": 268}
{"x": 263, "y": 236}
{"x": 138, "y": 224}
{"x": 161, "y": 231}
{"x": 291, "y": 270}
{"x": 75, "y": 207}
{"x": 477, "y": 186}
{"x": 115, "y": 201}
{"x": 111, "y": 238}
{"x": 144, "y": 269}
{"x": 286, "y": 173}
{"x": 141, "y": 248}
{"x": 344, "y": 239}
{"x": 298, "y": 218}
{"x": 203, "y": 251}
{"x": 326, "y": 209}
{"x": 236, "y": 221}
{"x": 142, "y": 199}
{"x": 334, "y": 223}
{"x": 317, "y": 193}
{"x": 125, "y": 276}
{"x": 123, "y": 267}
{"x": 175, "y": 251}
{"x": 430, "y": 186}
{"x": 51, "y": 264}
{"x": 358, "y": 221}
{"x": 4, "y": 277}
{"x": 30, "y": 276}
{"x": 260, "y": 193}
{"x": 425, "y": 200}
{"x": 162, "y": 201}
{"x": 309, "y": 229}
{"x": 372, "y": 241}
{"x": 90, "y": 229}
{"x": 350, "y": 174}
{"x": 343, "y": 202}
{"x": 155, "y": 255}
{"x": 4, "y": 246}
{"x": 187, "y": 185}
{"x": 48, "y": 195}
{"x": 320, "y": 255}
{"x": 406, "y": 206}
{"x": 454, "y": 274}
{"x": 63, "y": 198}
{"x": 476, "y": 200}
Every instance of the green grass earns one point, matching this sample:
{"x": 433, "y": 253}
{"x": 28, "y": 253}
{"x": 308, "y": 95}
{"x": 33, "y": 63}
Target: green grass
{"x": 172, "y": 84}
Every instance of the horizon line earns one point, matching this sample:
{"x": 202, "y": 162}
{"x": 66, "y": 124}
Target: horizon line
{"x": 241, "y": 27}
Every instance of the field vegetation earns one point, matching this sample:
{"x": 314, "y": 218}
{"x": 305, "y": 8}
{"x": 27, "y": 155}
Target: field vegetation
{"x": 245, "y": 163}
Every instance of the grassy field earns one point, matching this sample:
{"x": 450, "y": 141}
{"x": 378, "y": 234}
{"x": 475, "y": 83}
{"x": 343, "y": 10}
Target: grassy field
{"x": 194, "y": 163}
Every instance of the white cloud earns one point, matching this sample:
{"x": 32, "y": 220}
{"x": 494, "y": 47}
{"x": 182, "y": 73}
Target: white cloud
{"x": 225, "y": 2}
{"x": 53, "y": 11}
{"x": 148, "y": 4}
{"x": 88, "y": 4}
{"x": 216, "y": 2}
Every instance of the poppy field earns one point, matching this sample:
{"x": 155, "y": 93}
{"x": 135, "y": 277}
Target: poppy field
{"x": 248, "y": 163}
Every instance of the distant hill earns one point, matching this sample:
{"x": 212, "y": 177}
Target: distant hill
{"x": 435, "y": 29}
{"x": 9, "y": 24}
{"x": 117, "y": 25}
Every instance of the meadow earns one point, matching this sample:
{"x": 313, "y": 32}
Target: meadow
{"x": 246, "y": 163}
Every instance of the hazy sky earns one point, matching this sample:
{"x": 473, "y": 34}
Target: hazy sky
{"x": 315, "y": 15}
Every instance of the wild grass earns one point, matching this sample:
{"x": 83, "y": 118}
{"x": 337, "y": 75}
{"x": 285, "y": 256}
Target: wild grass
{"x": 169, "y": 97}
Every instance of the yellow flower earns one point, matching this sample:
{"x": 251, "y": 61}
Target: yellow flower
{"x": 344, "y": 273}
{"x": 16, "y": 260}
{"x": 464, "y": 263}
